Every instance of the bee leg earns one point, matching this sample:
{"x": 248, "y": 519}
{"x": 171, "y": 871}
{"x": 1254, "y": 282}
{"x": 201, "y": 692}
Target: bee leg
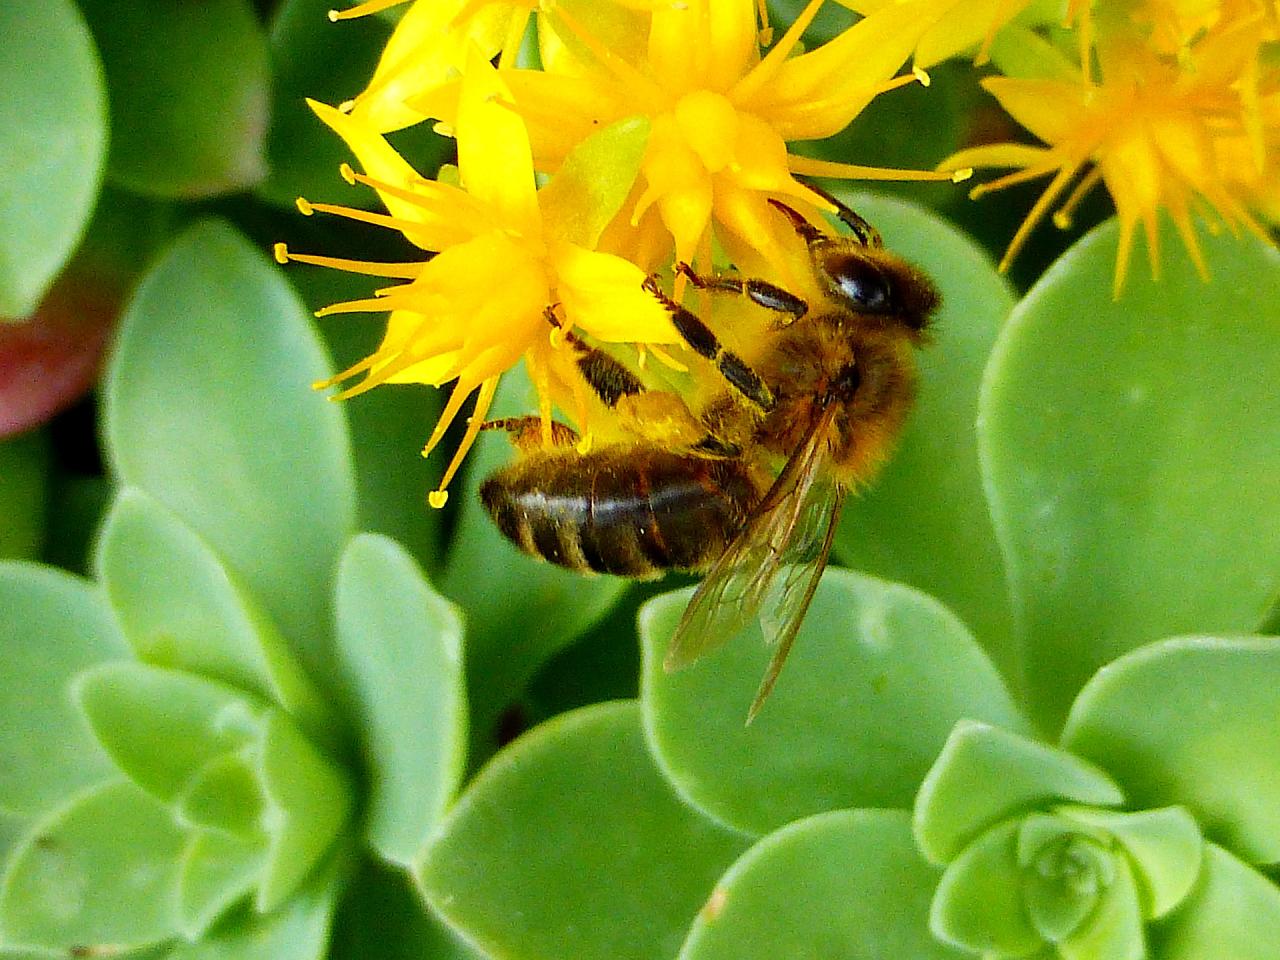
{"x": 525, "y": 433}
{"x": 867, "y": 235}
{"x": 705, "y": 343}
{"x": 767, "y": 295}
{"x": 607, "y": 378}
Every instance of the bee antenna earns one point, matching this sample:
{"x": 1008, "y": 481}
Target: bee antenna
{"x": 807, "y": 230}
{"x": 867, "y": 235}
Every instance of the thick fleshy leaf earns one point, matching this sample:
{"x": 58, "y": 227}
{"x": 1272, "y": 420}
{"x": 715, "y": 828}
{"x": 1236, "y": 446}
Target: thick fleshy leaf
{"x": 392, "y": 626}
{"x": 217, "y": 869}
{"x": 224, "y": 795}
{"x": 51, "y": 360}
{"x": 984, "y": 775}
{"x": 510, "y": 632}
{"x": 570, "y": 844}
{"x": 1165, "y": 847}
{"x": 388, "y": 427}
{"x": 101, "y": 870}
{"x": 925, "y": 520}
{"x": 53, "y": 136}
{"x": 297, "y": 930}
{"x": 380, "y": 906}
{"x": 1193, "y": 721}
{"x": 308, "y": 802}
{"x": 978, "y": 905}
{"x": 1130, "y": 464}
{"x": 188, "y": 88}
{"x": 846, "y": 885}
{"x": 209, "y": 410}
{"x": 52, "y": 625}
{"x": 162, "y": 726}
{"x": 180, "y": 607}
{"x": 24, "y": 466}
{"x": 879, "y": 676}
{"x": 1233, "y": 912}
{"x": 1115, "y": 929}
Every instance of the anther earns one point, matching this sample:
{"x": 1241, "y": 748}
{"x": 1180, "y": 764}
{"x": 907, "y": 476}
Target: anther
{"x": 281, "y": 252}
{"x": 347, "y": 173}
{"x": 304, "y": 206}
{"x": 438, "y": 498}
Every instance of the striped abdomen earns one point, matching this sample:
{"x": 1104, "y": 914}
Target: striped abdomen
{"x": 633, "y": 511}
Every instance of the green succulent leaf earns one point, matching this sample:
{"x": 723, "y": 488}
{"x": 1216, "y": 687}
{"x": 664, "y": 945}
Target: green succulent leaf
{"x": 297, "y": 930}
{"x": 212, "y": 416}
{"x": 879, "y": 675}
{"x": 52, "y": 625}
{"x": 1233, "y": 912}
{"x": 53, "y": 136}
{"x": 160, "y": 726}
{"x": 591, "y": 185}
{"x": 978, "y": 905}
{"x": 188, "y": 105}
{"x": 308, "y": 801}
{"x": 984, "y": 775}
{"x": 381, "y": 906}
{"x": 1193, "y": 721}
{"x": 1164, "y": 847}
{"x": 510, "y": 632}
{"x": 925, "y": 521}
{"x": 217, "y": 870}
{"x": 1115, "y": 930}
{"x": 1130, "y": 463}
{"x": 844, "y": 885}
{"x": 569, "y": 843}
{"x": 181, "y": 607}
{"x": 101, "y": 870}
{"x": 224, "y": 795}
{"x": 24, "y": 472}
{"x": 391, "y": 625}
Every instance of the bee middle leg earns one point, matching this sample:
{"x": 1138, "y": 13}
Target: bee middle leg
{"x": 703, "y": 341}
{"x": 761, "y": 292}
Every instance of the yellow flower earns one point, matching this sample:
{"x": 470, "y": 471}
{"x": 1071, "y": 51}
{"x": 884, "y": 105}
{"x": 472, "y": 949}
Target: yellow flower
{"x": 954, "y": 26}
{"x": 507, "y": 252}
{"x": 721, "y": 111}
{"x": 1163, "y": 131}
{"x": 428, "y": 47}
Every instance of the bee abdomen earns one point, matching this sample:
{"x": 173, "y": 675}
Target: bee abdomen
{"x": 628, "y": 511}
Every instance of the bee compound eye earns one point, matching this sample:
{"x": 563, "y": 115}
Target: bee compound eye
{"x": 861, "y": 284}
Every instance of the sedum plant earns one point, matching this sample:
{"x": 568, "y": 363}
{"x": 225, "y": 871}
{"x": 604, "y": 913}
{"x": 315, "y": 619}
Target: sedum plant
{"x": 290, "y": 711}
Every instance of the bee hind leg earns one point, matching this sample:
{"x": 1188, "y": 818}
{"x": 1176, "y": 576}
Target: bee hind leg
{"x": 703, "y": 341}
{"x": 525, "y": 433}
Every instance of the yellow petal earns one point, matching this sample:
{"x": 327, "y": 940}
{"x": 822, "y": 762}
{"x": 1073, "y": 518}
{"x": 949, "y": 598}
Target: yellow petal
{"x": 846, "y": 67}
{"x": 440, "y": 211}
{"x": 494, "y": 158}
{"x": 426, "y": 47}
{"x": 709, "y": 124}
{"x": 602, "y": 294}
{"x": 703, "y": 43}
{"x": 1051, "y": 109}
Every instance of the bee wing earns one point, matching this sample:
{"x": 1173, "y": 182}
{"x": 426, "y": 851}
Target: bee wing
{"x": 790, "y": 529}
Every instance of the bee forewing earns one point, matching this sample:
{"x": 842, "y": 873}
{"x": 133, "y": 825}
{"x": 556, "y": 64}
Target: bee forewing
{"x": 787, "y": 527}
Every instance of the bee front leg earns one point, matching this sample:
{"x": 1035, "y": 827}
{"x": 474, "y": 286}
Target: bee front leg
{"x": 705, "y": 343}
{"x": 761, "y": 292}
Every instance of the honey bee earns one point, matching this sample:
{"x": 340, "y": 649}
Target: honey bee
{"x": 826, "y": 397}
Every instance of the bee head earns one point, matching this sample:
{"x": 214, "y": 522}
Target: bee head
{"x": 860, "y": 275}
{"x": 872, "y": 282}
